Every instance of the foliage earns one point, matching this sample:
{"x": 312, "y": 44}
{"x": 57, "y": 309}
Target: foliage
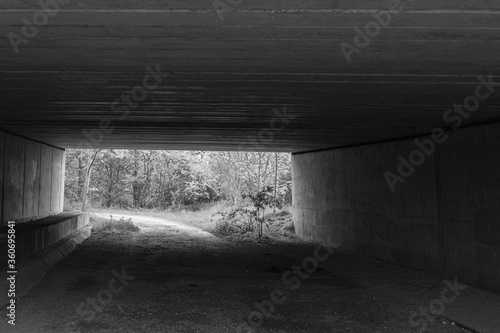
{"x": 199, "y": 216}
{"x": 244, "y": 219}
{"x": 261, "y": 201}
{"x": 248, "y": 172}
{"x": 113, "y": 225}
{"x": 151, "y": 179}
{"x": 239, "y": 220}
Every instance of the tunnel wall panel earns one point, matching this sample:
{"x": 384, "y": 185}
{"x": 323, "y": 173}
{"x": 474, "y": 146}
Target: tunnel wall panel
{"x": 33, "y": 179}
{"x": 62, "y": 182}
{"x": 444, "y": 218}
{"x": 342, "y": 193}
{"x": 470, "y": 186}
{"x": 45, "y": 180}
{"x": 57, "y": 169}
{"x": 14, "y": 177}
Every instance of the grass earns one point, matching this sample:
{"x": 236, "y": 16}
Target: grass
{"x": 203, "y": 218}
{"x": 112, "y": 224}
{"x": 279, "y": 225}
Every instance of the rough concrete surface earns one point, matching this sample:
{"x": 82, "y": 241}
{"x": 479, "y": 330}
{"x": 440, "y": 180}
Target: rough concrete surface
{"x": 33, "y": 179}
{"x": 226, "y": 76}
{"x": 178, "y": 280}
{"x": 33, "y": 269}
{"x": 443, "y": 218}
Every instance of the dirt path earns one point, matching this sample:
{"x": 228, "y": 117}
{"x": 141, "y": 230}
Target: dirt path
{"x": 149, "y": 222}
{"x": 171, "y": 277}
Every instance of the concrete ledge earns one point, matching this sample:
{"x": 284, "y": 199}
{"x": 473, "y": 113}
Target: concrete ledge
{"x": 34, "y": 236}
{"x": 34, "y": 268}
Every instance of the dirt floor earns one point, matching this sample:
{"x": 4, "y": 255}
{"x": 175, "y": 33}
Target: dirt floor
{"x": 174, "y": 278}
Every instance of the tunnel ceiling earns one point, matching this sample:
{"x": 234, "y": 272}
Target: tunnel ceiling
{"x": 229, "y": 79}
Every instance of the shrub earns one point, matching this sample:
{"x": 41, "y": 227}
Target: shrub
{"x": 113, "y": 225}
{"x": 249, "y": 219}
{"x": 234, "y": 221}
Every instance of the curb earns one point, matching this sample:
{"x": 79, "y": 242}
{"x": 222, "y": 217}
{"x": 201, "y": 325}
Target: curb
{"x": 34, "y": 268}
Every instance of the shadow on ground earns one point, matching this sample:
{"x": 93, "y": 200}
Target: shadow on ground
{"x": 173, "y": 278}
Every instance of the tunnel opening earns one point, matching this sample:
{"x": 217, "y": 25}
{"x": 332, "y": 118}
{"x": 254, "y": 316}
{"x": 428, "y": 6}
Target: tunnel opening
{"x": 225, "y": 192}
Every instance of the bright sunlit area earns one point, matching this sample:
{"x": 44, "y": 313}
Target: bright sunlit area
{"x": 243, "y": 195}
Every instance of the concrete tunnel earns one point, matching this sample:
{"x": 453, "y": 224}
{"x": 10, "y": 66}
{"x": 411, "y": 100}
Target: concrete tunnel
{"x": 389, "y": 108}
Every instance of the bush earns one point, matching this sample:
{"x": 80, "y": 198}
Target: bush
{"x": 113, "y": 225}
{"x": 236, "y": 221}
{"x": 244, "y": 219}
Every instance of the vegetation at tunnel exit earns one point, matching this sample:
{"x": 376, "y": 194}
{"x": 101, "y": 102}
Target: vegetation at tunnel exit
{"x": 113, "y": 224}
{"x": 174, "y": 180}
{"x": 244, "y": 219}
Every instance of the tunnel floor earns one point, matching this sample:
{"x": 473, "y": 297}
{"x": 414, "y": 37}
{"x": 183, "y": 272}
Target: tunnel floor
{"x": 173, "y": 278}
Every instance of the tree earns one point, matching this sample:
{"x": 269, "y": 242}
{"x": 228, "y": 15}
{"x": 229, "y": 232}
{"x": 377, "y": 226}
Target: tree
{"x": 92, "y": 155}
{"x": 166, "y": 179}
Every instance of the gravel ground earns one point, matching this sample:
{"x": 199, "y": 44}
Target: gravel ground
{"x": 175, "y": 278}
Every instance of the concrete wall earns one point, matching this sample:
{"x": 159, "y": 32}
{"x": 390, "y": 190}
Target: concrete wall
{"x": 31, "y": 179}
{"x": 444, "y": 218}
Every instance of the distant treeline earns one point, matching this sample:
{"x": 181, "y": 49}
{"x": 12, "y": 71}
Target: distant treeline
{"x": 170, "y": 179}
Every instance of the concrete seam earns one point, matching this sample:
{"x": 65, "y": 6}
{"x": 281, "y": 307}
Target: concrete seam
{"x": 447, "y": 130}
{"x": 50, "y": 182}
{"x": 27, "y": 138}
{"x": 24, "y": 175}
{"x": 39, "y": 181}
{"x": 439, "y": 205}
{"x": 266, "y": 11}
{"x": 63, "y": 181}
